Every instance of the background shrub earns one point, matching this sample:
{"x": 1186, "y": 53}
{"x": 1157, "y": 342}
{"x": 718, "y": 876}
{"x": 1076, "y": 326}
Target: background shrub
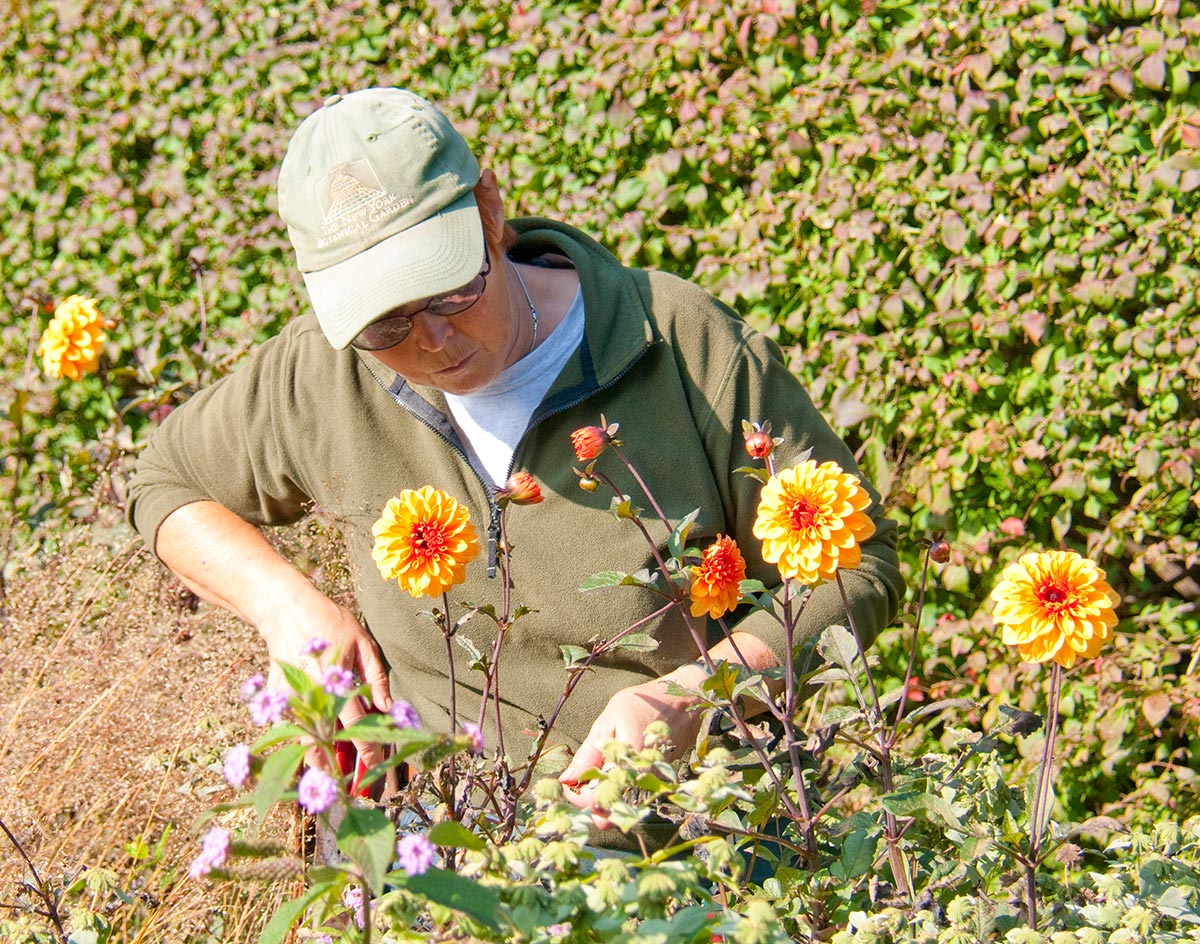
{"x": 972, "y": 226}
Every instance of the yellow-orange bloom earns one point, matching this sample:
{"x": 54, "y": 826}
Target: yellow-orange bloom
{"x": 71, "y": 344}
{"x": 715, "y": 581}
{"x": 423, "y": 541}
{"x": 1054, "y": 605}
{"x": 810, "y": 520}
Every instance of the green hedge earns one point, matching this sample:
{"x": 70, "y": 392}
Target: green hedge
{"x": 971, "y": 225}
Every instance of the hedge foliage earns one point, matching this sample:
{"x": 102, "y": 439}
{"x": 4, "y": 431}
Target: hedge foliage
{"x": 972, "y": 226}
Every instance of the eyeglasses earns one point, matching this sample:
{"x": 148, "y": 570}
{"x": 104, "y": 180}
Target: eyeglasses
{"x": 390, "y": 331}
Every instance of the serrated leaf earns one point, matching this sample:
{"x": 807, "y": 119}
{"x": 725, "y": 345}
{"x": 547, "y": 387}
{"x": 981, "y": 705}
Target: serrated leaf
{"x": 368, "y": 837}
{"x": 298, "y": 680}
{"x": 275, "y": 734}
{"x": 926, "y": 804}
{"x": 276, "y": 777}
{"x": 453, "y": 891}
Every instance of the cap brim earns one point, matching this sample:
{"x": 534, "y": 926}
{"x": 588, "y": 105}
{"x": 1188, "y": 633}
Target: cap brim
{"x": 434, "y": 257}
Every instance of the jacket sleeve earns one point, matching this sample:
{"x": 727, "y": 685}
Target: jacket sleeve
{"x": 229, "y": 444}
{"x": 752, "y": 382}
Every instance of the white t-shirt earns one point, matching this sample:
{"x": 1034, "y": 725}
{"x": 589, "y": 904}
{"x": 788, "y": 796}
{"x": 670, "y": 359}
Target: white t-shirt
{"x": 492, "y": 420}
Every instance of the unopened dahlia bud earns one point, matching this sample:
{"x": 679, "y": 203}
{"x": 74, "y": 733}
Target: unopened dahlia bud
{"x": 759, "y": 445}
{"x": 521, "y": 489}
{"x": 589, "y": 442}
{"x": 939, "y": 551}
{"x": 588, "y": 484}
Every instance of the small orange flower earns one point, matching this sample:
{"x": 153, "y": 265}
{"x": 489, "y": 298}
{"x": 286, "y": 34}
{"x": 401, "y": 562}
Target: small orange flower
{"x": 423, "y": 541}
{"x": 71, "y": 344}
{"x": 522, "y": 489}
{"x": 1054, "y": 605}
{"x": 715, "y": 581}
{"x": 589, "y": 442}
{"x": 811, "y": 521}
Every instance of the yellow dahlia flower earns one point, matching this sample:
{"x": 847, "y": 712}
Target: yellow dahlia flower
{"x": 71, "y": 344}
{"x": 423, "y": 541}
{"x": 715, "y": 582}
{"x": 1054, "y": 605}
{"x": 810, "y": 520}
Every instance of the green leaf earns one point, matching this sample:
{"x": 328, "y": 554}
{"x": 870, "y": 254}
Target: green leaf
{"x": 936, "y": 707}
{"x": 453, "y": 891}
{"x": 573, "y": 655}
{"x": 837, "y": 645}
{"x": 678, "y": 539}
{"x": 368, "y": 837}
{"x": 298, "y": 679}
{"x": 276, "y": 777}
{"x": 637, "y": 642}
{"x": 456, "y": 836}
{"x": 289, "y": 912}
{"x": 275, "y": 734}
{"x": 605, "y": 578}
{"x": 857, "y": 855}
{"x": 915, "y": 803}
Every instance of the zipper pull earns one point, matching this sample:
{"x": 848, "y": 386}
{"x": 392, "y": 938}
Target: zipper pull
{"x": 493, "y": 541}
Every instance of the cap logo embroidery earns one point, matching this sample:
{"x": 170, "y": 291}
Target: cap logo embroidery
{"x": 353, "y": 202}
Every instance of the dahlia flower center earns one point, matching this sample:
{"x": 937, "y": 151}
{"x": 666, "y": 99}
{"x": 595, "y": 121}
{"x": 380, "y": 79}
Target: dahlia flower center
{"x": 803, "y": 514}
{"x": 718, "y": 568}
{"x": 428, "y": 540}
{"x": 1054, "y": 596}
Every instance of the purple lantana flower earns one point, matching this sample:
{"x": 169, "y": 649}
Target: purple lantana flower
{"x": 317, "y": 791}
{"x": 252, "y": 686}
{"x": 474, "y": 737}
{"x": 337, "y": 681}
{"x": 352, "y": 897}
{"x": 314, "y": 647}
{"x": 237, "y": 765}
{"x": 405, "y": 715}
{"x": 214, "y": 852}
{"x": 415, "y": 854}
{"x": 268, "y": 706}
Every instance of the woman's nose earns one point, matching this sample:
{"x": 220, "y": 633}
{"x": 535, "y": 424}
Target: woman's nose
{"x": 431, "y": 332}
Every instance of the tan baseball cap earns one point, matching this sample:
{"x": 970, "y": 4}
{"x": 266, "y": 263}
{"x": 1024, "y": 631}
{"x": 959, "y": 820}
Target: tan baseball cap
{"x": 376, "y": 191}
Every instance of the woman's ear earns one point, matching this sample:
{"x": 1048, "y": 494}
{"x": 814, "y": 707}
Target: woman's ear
{"x": 491, "y": 207}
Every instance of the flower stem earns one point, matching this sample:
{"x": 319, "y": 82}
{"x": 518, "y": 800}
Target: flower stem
{"x": 1041, "y": 799}
{"x": 891, "y": 833}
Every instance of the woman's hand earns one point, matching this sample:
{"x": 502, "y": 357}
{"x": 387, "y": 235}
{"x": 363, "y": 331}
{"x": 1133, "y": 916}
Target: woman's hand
{"x": 625, "y": 718}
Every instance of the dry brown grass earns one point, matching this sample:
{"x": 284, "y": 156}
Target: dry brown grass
{"x": 118, "y": 700}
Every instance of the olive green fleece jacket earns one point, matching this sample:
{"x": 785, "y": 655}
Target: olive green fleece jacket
{"x": 300, "y": 424}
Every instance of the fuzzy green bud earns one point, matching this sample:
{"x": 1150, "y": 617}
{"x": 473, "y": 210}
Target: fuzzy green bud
{"x": 547, "y": 790}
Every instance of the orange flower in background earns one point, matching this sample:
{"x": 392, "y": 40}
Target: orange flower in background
{"x": 1054, "y": 605}
{"x": 423, "y": 541}
{"x": 810, "y": 520}
{"x": 71, "y": 344}
{"x": 589, "y": 442}
{"x": 715, "y": 581}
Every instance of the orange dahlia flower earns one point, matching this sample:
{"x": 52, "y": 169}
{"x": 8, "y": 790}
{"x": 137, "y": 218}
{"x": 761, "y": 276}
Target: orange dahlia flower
{"x": 715, "y": 582}
{"x": 71, "y": 344}
{"x": 810, "y": 520}
{"x": 423, "y": 541}
{"x": 1054, "y": 605}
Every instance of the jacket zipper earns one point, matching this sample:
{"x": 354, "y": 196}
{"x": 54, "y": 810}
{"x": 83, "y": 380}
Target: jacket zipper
{"x": 493, "y": 531}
